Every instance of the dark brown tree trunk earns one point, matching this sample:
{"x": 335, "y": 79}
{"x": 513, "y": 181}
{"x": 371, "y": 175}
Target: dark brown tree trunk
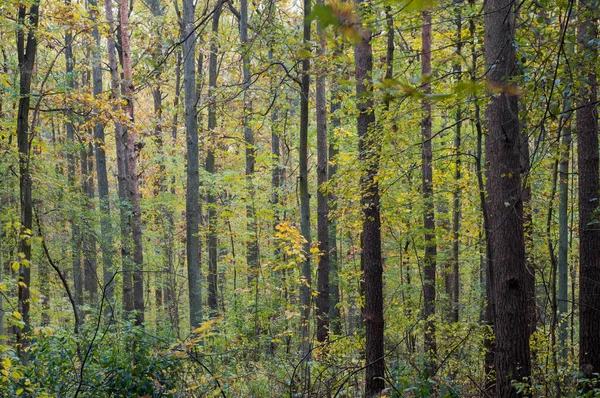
{"x": 120, "y": 141}
{"x": 135, "y": 219}
{"x": 454, "y": 291}
{"x": 305, "y": 286}
{"x": 429, "y": 260}
{"x": 322, "y": 202}
{"x": 26, "y": 52}
{"x": 589, "y": 186}
{"x": 505, "y": 202}
{"x": 369, "y": 149}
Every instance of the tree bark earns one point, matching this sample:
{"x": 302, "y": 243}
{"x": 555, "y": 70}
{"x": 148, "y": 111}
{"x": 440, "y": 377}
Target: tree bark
{"x": 135, "y": 219}
{"x": 589, "y": 186}
{"x": 322, "y": 199}
{"x": 305, "y": 286}
{"x": 429, "y": 259}
{"x": 102, "y": 174}
{"x": 26, "y": 52}
{"x": 502, "y": 145}
{"x": 371, "y": 261}
{"x": 211, "y": 202}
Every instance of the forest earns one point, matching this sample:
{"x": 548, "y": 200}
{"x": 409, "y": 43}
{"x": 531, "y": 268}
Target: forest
{"x": 299, "y": 198}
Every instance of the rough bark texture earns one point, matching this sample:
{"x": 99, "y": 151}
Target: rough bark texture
{"x": 503, "y": 152}
{"x": 429, "y": 259}
{"x": 371, "y": 261}
{"x": 589, "y": 186}
{"x": 135, "y": 218}
{"x": 322, "y": 202}
{"x": 26, "y": 52}
{"x": 120, "y": 143}
{"x": 193, "y": 176}
{"x": 305, "y": 296}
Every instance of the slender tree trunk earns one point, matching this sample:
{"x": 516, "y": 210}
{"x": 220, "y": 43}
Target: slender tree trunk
{"x": 305, "y": 286}
{"x": 333, "y": 150}
{"x": 135, "y": 219}
{"x": 503, "y": 152}
{"x": 90, "y": 264}
{"x": 429, "y": 260}
{"x": 322, "y": 202}
{"x": 371, "y": 261}
{"x": 193, "y": 179}
{"x": 71, "y": 166}
{"x": 26, "y": 52}
{"x": 456, "y": 202}
{"x": 589, "y": 185}
{"x": 211, "y": 202}
{"x": 101, "y": 172}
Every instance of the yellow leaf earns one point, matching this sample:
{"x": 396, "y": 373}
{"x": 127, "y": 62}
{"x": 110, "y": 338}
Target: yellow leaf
{"x": 17, "y": 314}
{"x": 15, "y": 266}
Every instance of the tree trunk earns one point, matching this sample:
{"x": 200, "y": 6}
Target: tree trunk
{"x": 305, "y": 286}
{"x": 429, "y": 260}
{"x": 322, "y": 202}
{"x": 26, "y": 52}
{"x": 454, "y": 291}
{"x": 211, "y": 202}
{"x": 369, "y": 149}
{"x": 135, "y": 219}
{"x": 589, "y": 185}
{"x": 90, "y": 264}
{"x": 102, "y": 175}
{"x": 71, "y": 166}
{"x": 193, "y": 179}
{"x": 503, "y": 152}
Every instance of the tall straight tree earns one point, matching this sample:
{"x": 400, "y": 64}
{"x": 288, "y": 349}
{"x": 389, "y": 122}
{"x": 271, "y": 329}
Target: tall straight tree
{"x": 505, "y": 206}
{"x": 305, "y": 297}
{"x": 26, "y": 52}
{"x": 120, "y": 143}
{"x": 589, "y": 186}
{"x": 135, "y": 216}
{"x": 101, "y": 172}
{"x": 322, "y": 199}
{"x": 211, "y": 199}
{"x": 429, "y": 260}
{"x": 252, "y": 242}
{"x": 192, "y": 198}
{"x": 371, "y": 261}
{"x": 71, "y": 168}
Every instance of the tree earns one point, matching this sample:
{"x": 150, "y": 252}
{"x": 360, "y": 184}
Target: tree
{"x": 26, "y": 52}
{"x": 192, "y": 196}
{"x": 505, "y": 206}
{"x": 429, "y": 259}
{"x": 372, "y": 265}
{"x": 322, "y": 202}
{"x": 589, "y": 186}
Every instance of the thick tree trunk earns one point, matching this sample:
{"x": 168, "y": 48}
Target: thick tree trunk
{"x": 193, "y": 179}
{"x": 322, "y": 199}
{"x": 369, "y": 149}
{"x": 429, "y": 259}
{"x": 589, "y": 186}
{"x": 503, "y": 152}
{"x": 90, "y": 264}
{"x": 26, "y": 52}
